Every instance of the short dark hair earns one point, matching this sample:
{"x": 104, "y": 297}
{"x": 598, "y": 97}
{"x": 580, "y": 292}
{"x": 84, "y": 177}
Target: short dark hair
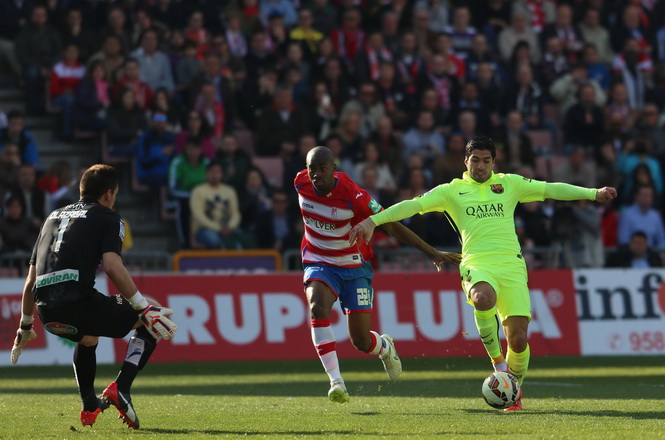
{"x": 15, "y": 114}
{"x": 214, "y": 163}
{"x": 97, "y": 180}
{"x": 480, "y": 143}
{"x": 193, "y": 140}
{"x": 640, "y": 234}
{"x": 189, "y": 44}
{"x": 15, "y": 198}
{"x": 131, "y": 60}
{"x": 638, "y": 188}
{"x": 149, "y": 30}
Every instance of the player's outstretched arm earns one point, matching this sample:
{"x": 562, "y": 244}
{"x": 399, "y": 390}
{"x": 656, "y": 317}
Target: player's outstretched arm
{"x": 400, "y": 211}
{"x": 154, "y": 318}
{"x": 363, "y": 231}
{"x": 407, "y": 236}
{"x": 25, "y": 332}
{"x": 605, "y": 194}
{"x": 564, "y": 191}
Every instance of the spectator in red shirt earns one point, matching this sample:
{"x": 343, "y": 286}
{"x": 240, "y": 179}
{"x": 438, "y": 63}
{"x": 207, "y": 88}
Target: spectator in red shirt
{"x": 130, "y": 79}
{"x": 350, "y": 38}
{"x": 196, "y": 33}
{"x": 455, "y": 66}
{"x": 196, "y": 126}
{"x": 65, "y": 77}
{"x": 212, "y": 109}
{"x": 92, "y": 99}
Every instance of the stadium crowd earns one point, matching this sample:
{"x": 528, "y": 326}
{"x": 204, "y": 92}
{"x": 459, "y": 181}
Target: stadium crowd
{"x": 220, "y": 101}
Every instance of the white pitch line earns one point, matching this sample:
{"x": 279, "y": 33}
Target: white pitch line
{"x": 650, "y": 385}
{"x": 555, "y": 384}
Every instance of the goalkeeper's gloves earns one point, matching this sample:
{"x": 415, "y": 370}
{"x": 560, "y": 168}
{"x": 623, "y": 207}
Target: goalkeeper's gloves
{"x": 154, "y": 318}
{"x": 24, "y": 334}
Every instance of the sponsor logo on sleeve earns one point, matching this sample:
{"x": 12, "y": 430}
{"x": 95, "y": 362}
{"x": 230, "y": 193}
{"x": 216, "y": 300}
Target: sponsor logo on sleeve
{"x": 424, "y": 194}
{"x": 122, "y": 230}
{"x": 374, "y": 206}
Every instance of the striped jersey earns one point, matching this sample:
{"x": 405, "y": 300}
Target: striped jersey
{"x": 329, "y": 218}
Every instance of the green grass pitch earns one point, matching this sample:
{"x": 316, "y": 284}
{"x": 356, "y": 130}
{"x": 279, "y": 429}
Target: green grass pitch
{"x": 565, "y": 398}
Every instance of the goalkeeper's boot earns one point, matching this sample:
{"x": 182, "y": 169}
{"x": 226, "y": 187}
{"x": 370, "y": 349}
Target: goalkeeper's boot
{"x": 123, "y": 403}
{"x": 518, "y": 405}
{"x": 89, "y": 417}
{"x": 390, "y": 359}
{"x": 338, "y": 391}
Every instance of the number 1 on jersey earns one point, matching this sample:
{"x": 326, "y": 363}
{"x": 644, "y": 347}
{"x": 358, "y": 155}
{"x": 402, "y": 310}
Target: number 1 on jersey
{"x": 61, "y": 231}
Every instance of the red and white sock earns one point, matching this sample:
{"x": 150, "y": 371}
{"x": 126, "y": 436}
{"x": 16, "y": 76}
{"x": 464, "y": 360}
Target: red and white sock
{"x": 324, "y": 342}
{"x": 378, "y": 344}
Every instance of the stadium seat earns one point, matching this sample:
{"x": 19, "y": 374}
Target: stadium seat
{"x": 555, "y": 161}
{"x": 551, "y": 112}
{"x": 48, "y": 104}
{"x": 245, "y": 141}
{"x": 543, "y": 170}
{"x": 84, "y": 135}
{"x": 9, "y": 272}
{"x": 167, "y": 206}
{"x": 541, "y": 141}
{"x": 272, "y": 168}
{"x": 108, "y": 158}
{"x": 137, "y": 186}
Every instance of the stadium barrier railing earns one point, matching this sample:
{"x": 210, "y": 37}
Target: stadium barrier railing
{"x": 14, "y": 264}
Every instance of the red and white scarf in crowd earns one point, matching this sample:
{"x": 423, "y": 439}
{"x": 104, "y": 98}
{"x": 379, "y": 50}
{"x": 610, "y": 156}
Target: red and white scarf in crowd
{"x": 348, "y": 44}
{"x": 409, "y": 69}
{"x": 537, "y": 11}
{"x": 216, "y": 116}
{"x": 375, "y": 61}
{"x": 442, "y": 87}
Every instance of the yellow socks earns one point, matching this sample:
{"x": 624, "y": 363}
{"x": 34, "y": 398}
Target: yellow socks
{"x": 519, "y": 363}
{"x": 487, "y": 323}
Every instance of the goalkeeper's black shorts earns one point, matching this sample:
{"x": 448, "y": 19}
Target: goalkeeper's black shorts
{"x": 97, "y": 315}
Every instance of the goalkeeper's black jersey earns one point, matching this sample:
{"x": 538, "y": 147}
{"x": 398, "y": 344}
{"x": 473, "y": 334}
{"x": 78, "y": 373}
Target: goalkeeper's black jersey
{"x": 69, "y": 250}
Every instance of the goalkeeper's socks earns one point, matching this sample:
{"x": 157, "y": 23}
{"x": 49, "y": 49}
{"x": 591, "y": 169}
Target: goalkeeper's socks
{"x": 85, "y": 368}
{"x": 139, "y": 349}
{"x": 324, "y": 342}
{"x": 519, "y": 363}
{"x": 487, "y": 323}
{"x": 379, "y": 345}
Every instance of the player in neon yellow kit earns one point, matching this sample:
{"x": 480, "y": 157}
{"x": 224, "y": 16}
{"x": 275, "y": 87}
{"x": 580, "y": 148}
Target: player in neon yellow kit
{"x": 481, "y": 207}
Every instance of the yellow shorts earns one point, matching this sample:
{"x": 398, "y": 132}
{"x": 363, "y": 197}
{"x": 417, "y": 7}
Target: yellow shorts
{"x": 509, "y": 280}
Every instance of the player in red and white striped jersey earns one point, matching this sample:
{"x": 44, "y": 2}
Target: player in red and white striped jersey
{"x": 331, "y": 204}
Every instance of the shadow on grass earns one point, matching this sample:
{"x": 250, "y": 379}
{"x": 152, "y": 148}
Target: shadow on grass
{"x": 262, "y": 433}
{"x": 637, "y": 415}
{"x": 466, "y": 365}
{"x": 589, "y": 388}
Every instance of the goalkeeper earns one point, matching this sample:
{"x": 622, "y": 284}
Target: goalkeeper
{"x": 60, "y": 286}
{"x": 481, "y": 208}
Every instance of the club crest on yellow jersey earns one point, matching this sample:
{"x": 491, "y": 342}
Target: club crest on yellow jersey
{"x": 497, "y": 189}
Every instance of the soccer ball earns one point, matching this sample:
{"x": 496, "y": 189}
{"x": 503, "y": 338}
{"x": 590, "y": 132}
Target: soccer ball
{"x": 501, "y": 390}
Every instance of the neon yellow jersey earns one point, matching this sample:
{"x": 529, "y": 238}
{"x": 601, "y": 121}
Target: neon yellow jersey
{"x": 483, "y": 213}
